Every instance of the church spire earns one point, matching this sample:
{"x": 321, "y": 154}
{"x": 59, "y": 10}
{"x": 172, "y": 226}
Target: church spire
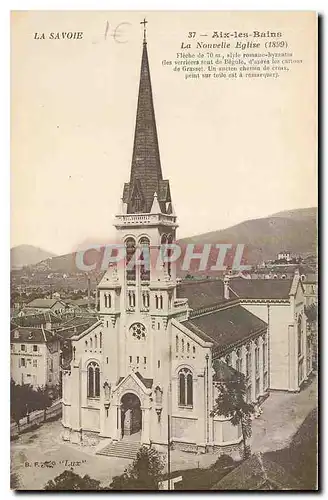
{"x": 146, "y": 173}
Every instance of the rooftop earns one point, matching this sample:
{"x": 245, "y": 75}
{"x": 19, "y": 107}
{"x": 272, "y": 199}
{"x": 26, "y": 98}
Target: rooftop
{"x": 201, "y": 293}
{"x": 76, "y": 328}
{"x": 225, "y": 326}
{"x": 260, "y": 289}
{"x": 258, "y": 473}
{"x": 38, "y": 319}
{"x": 43, "y": 303}
{"x": 32, "y": 335}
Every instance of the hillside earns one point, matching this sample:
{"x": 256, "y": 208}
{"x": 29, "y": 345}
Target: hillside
{"x": 294, "y": 230}
{"x": 27, "y": 255}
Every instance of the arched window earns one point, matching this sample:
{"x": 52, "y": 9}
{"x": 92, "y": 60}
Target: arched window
{"x": 145, "y": 258}
{"x": 257, "y": 356}
{"x": 138, "y": 331}
{"x": 248, "y": 361}
{"x": 239, "y": 361}
{"x": 264, "y": 352}
{"x": 91, "y": 344}
{"x": 299, "y": 336}
{"x": 86, "y": 344}
{"x": 163, "y": 251}
{"x": 169, "y": 253}
{"x": 145, "y": 299}
{"x": 131, "y": 298}
{"x": 182, "y": 345}
{"x": 161, "y": 302}
{"x": 185, "y": 387}
{"x": 93, "y": 380}
{"x": 100, "y": 340}
{"x": 130, "y": 246}
{"x": 194, "y": 350}
{"x": 188, "y": 347}
{"x": 177, "y": 344}
{"x": 109, "y": 300}
{"x": 96, "y": 342}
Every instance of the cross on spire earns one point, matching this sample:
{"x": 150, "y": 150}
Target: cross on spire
{"x": 144, "y": 22}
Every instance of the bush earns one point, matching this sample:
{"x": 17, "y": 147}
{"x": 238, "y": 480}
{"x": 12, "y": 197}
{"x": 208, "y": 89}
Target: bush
{"x": 69, "y": 480}
{"x": 143, "y": 474}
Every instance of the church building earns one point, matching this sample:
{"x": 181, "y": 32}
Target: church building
{"x": 148, "y": 370}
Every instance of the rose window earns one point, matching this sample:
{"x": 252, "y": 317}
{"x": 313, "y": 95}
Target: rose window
{"x": 138, "y": 331}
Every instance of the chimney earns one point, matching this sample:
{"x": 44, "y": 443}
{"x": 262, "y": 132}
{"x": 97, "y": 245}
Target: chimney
{"x": 226, "y": 281}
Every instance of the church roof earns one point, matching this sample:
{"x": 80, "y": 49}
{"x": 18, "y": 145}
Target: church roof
{"x": 146, "y": 173}
{"x": 201, "y": 293}
{"x": 76, "y": 327}
{"x": 226, "y": 326}
{"x": 258, "y": 473}
{"x": 260, "y": 288}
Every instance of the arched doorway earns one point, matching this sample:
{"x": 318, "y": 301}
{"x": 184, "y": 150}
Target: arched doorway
{"x": 131, "y": 415}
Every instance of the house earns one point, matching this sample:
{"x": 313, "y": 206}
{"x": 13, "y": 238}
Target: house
{"x": 48, "y": 319}
{"x": 258, "y": 473}
{"x": 40, "y": 305}
{"x": 35, "y": 356}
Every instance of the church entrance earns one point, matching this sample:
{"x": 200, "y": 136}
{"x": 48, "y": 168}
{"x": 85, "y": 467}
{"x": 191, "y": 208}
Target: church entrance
{"x": 131, "y": 416}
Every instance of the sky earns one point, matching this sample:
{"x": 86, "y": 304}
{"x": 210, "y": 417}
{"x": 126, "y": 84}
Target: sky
{"x": 232, "y": 150}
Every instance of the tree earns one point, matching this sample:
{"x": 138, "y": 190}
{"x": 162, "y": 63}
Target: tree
{"x": 21, "y": 397}
{"x": 43, "y": 399}
{"x": 14, "y": 480}
{"x": 231, "y": 403}
{"x": 143, "y": 474}
{"x": 69, "y": 480}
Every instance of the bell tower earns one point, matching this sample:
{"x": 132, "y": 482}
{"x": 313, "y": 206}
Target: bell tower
{"x": 137, "y": 296}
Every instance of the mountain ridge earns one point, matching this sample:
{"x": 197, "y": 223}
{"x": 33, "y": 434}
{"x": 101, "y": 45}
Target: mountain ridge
{"x": 292, "y": 230}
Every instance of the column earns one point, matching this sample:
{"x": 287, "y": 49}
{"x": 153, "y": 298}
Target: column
{"x": 261, "y": 367}
{"x": 145, "y": 434}
{"x": 253, "y": 371}
{"x": 76, "y": 433}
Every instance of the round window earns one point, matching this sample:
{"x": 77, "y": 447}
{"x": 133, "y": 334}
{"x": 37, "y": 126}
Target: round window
{"x": 138, "y": 331}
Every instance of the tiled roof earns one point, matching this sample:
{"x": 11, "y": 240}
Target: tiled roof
{"x": 32, "y": 335}
{"x": 202, "y": 293}
{"x": 258, "y": 473}
{"x": 226, "y": 326}
{"x": 45, "y": 303}
{"x": 82, "y": 302}
{"x": 147, "y": 382}
{"x": 38, "y": 319}
{"x": 76, "y": 328}
{"x": 261, "y": 288}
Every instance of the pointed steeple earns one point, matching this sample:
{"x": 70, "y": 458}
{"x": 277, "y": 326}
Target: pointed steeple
{"x": 146, "y": 172}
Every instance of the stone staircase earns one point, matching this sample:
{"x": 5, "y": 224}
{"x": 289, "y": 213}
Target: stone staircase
{"x": 121, "y": 449}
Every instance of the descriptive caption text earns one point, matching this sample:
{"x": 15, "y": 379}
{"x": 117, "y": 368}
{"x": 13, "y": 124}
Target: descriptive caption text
{"x": 232, "y": 55}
